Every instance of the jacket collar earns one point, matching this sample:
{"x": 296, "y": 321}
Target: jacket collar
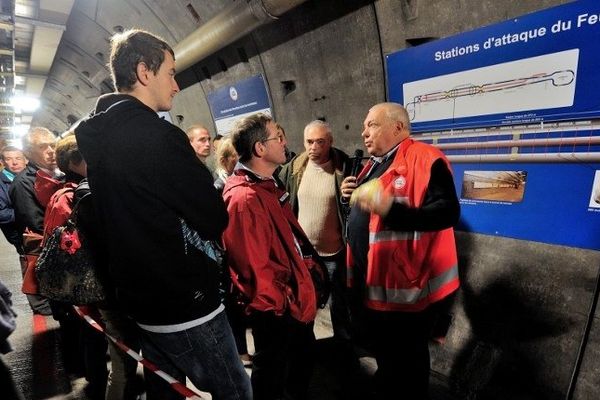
{"x": 109, "y": 100}
{"x": 242, "y": 176}
{"x": 299, "y": 162}
{"x": 7, "y": 176}
{"x": 400, "y": 157}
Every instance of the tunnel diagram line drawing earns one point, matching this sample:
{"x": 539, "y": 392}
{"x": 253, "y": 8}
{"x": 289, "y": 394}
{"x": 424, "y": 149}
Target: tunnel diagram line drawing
{"x": 534, "y": 83}
{"x": 557, "y": 78}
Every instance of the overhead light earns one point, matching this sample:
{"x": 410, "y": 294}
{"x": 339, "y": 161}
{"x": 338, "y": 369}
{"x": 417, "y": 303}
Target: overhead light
{"x": 23, "y": 10}
{"x": 20, "y": 130}
{"x": 20, "y": 9}
{"x": 25, "y": 104}
{"x": 15, "y": 142}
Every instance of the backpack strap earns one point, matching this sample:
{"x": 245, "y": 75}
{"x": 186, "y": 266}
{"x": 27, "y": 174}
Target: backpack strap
{"x": 73, "y": 217}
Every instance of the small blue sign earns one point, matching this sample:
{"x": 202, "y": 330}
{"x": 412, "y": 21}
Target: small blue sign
{"x": 539, "y": 67}
{"x": 231, "y": 103}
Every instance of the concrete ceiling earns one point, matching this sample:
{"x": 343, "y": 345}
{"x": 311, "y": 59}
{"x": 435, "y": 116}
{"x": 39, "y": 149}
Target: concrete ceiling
{"x": 77, "y": 73}
{"x": 61, "y": 48}
{"x": 39, "y": 27}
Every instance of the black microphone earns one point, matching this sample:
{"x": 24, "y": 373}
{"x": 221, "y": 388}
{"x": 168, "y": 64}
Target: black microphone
{"x": 356, "y": 162}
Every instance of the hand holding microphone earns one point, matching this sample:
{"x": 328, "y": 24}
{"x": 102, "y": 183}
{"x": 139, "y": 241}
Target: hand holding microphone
{"x": 369, "y": 196}
{"x": 349, "y": 183}
{"x": 356, "y": 162}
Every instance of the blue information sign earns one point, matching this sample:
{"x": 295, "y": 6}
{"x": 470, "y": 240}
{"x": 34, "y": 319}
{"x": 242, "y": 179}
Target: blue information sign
{"x": 539, "y": 67}
{"x": 233, "y": 102}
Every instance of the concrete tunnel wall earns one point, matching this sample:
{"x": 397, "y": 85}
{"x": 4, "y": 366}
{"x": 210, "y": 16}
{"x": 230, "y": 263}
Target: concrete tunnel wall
{"x": 521, "y": 312}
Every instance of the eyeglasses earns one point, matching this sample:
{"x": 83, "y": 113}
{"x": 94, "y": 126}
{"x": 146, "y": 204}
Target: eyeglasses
{"x": 279, "y": 139}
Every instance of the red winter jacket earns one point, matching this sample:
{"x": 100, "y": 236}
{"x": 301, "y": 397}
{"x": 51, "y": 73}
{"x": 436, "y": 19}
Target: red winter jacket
{"x": 59, "y": 208}
{"x": 264, "y": 263}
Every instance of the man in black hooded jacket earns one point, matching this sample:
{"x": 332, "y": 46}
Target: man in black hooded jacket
{"x": 149, "y": 187}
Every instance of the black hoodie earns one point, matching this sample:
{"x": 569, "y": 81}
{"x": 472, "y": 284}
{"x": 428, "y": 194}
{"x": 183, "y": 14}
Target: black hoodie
{"x": 145, "y": 177}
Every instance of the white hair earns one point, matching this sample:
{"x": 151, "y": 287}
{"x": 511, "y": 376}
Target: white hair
{"x": 318, "y": 123}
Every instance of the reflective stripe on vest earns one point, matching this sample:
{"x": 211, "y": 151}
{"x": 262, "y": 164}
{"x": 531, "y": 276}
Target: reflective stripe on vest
{"x": 411, "y": 295}
{"x": 389, "y": 236}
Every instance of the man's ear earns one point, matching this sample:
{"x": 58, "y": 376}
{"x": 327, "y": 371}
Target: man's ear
{"x": 399, "y": 127}
{"x": 143, "y": 73}
{"x": 257, "y": 151}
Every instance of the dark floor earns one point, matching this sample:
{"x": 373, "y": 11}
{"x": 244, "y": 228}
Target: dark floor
{"x": 38, "y": 370}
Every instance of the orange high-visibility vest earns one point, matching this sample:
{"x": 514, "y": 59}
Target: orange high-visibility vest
{"x": 407, "y": 271}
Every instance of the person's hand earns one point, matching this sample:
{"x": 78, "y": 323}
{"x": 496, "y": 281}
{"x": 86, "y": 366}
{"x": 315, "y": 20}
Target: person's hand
{"x": 348, "y": 186}
{"x": 372, "y": 197}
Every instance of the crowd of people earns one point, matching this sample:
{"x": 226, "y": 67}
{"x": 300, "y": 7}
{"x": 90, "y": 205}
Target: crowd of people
{"x": 192, "y": 258}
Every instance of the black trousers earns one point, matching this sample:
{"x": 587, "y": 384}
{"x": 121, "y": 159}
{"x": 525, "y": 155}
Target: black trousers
{"x": 238, "y": 321}
{"x": 284, "y": 356}
{"x": 401, "y": 346}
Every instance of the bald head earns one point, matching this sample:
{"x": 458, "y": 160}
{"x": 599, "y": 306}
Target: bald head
{"x": 200, "y": 140}
{"x": 396, "y": 112}
{"x": 386, "y": 125}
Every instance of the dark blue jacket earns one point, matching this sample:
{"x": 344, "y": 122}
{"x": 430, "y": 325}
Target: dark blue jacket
{"x": 7, "y": 213}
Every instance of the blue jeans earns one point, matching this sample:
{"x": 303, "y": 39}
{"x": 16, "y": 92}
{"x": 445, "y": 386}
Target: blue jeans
{"x": 206, "y": 354}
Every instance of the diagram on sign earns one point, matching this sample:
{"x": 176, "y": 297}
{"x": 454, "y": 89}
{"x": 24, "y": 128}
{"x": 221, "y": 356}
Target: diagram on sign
{"x": 535, "y": 83}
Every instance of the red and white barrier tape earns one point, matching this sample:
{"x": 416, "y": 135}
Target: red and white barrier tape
{"x": 175, "y": 384}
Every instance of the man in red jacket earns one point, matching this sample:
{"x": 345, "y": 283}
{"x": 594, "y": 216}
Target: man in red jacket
{"x": 401, "y": 246}
{"x": 270, "y": 259}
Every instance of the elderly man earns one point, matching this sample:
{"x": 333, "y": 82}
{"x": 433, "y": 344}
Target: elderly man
{"x": 14, "y": 161}
{"x": 313, "y": 179}
{"x": 401, "y": 240}
{"x": 39, "y": 147}
{"x": 154, "y": 223}
{"x": 271, "y": 263}
{"x": 200, "y": 141}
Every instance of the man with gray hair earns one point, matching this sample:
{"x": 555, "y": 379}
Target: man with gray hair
{"x": 313, "y": 179}
{"x": 39, "y": 146}
{"x": 401, "y": 242}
